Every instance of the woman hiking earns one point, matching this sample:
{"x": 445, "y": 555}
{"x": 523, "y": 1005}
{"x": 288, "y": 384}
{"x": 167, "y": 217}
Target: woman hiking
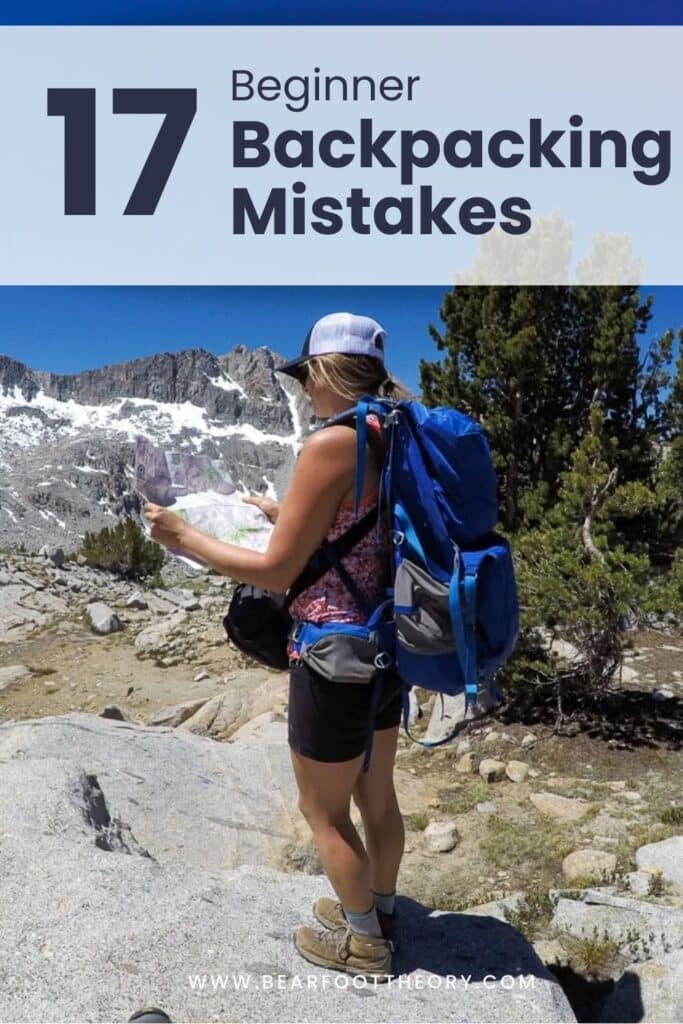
{"x": 330, "y": 721}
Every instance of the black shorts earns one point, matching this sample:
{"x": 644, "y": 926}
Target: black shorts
{"x": 330, "y": 721}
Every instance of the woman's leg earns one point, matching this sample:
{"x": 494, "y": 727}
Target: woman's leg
{"x": 375, "y": 797}
{"x": 325, "y": 800}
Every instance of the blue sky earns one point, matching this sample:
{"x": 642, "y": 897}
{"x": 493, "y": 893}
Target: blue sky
{"x": 70, "y": 329}
{"x": 316, "y": 12}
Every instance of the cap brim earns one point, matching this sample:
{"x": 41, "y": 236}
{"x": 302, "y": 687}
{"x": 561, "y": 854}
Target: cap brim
{"x": 294, "y": 367}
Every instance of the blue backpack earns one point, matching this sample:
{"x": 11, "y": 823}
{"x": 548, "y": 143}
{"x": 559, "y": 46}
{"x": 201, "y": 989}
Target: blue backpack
{"x": 451, "y": 615}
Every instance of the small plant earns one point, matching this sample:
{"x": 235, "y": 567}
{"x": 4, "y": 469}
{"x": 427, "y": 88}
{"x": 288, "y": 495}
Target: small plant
{"x": 418, "y": 821}
{"x": 672, "y": 816}
{"x": 657, "y": 885}
{"x": 586, "y": 882}
{"x": 532, "y": 914}
{"x": 594, "y": 956}
{"x": 156, "y": 582}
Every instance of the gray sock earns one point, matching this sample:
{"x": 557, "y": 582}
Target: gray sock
{"x": 384, "y": 901}
{"x": 364, "y": 924}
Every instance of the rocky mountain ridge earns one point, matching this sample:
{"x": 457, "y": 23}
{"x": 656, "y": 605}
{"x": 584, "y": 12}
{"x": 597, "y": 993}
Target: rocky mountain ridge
{"x": 66, "y": 439}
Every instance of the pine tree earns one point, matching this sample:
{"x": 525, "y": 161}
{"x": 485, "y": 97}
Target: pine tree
{"x": 527, "y": 363}
{"x": 123, "y": 549}
{"x": 587, "y": 437}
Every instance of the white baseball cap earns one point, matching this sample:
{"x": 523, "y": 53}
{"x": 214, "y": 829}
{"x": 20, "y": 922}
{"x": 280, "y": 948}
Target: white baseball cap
{"x": 345, "y": 333}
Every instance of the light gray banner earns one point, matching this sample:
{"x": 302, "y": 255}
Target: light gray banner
{"x": 618, "y": 222}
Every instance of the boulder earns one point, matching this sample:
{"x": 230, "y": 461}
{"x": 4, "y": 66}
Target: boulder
{"x": 662, "y": 693}
{"x": 640, "y": 882}
{"x": 665, "y": 857}
{"x": 449, "y": 714}
{"x": 528, "y": 741}
{"x": 466, "y": 764}
{"x": 137, "y": 601}
{"x": 629, "y": 674}
{"x": 650, "y": 992}
{"x": 54, "y": 553}
{"x": 114, "y": 713}
{"x": 563, "y": 649}
{"x": 486, "y": 807}
{"x": 562, "y": 808}
{"x": 516, "y": 771}
{"x": 177, "y": 714}
{"x": 441, "y": 836}
{"x": 244, "y": 698}
{"x": 491, "y": 770}
{"x": 133, "y": 863}
{"x": 445, "y": 717}
{"x": 102, "y": 619}
{"x": 595, "y": 865}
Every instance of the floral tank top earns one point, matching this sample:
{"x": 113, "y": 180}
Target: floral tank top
{"x": 367, "y": 563}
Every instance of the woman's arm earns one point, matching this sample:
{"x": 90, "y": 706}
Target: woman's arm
{"x": 323, "y": 474}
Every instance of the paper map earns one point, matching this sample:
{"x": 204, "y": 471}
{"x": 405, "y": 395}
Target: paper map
{"x": 201, "y": 491}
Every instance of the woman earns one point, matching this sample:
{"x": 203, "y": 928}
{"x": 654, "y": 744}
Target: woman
{"x": 329, "y": 722}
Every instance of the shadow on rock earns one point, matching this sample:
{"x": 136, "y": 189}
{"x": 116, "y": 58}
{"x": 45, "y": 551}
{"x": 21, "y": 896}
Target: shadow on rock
{"x": 474, "y": 947}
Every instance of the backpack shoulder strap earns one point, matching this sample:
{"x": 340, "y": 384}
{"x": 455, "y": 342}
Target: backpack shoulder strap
{"x": 330, "y": 552}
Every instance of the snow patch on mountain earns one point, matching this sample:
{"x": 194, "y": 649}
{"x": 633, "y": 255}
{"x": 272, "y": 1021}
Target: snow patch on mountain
{"x": 26, "y": 424}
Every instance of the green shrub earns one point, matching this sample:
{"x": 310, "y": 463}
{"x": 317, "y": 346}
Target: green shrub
{"x": 532, "y": 915}
{"x": 123, "y": 549}
{"x": 672, "y": 815}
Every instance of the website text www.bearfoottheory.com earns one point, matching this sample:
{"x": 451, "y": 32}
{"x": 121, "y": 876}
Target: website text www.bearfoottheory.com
{"x": 245, "y": 981}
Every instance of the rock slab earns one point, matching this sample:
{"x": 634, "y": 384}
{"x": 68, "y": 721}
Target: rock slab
{"x": 112, "y": 909}
{"x": 640, "y": 929}
{"x": 562, "y": 808}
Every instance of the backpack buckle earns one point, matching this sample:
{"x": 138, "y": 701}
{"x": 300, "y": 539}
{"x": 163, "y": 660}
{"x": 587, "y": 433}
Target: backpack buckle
{"x": 383, "y": 660}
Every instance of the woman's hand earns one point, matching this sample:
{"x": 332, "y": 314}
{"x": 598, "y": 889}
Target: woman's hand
{"x": 167, "y": 527}
{"x": 268, "y": 506}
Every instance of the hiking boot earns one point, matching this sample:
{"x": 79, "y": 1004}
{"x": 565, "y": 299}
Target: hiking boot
{"x": 343, "y": 950}
{"x": 330, "y": 914}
